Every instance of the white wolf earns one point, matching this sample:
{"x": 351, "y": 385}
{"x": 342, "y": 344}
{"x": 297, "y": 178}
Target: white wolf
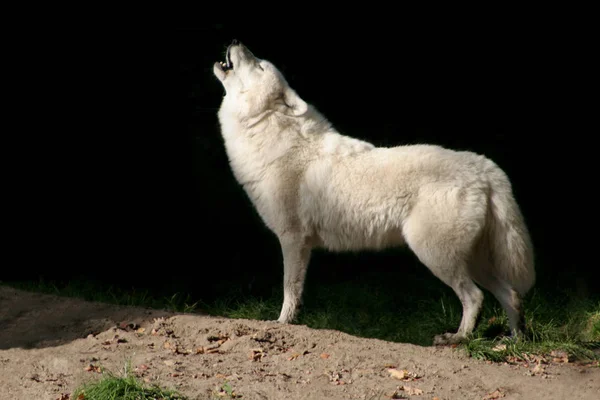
{"x": 316, "y": 188}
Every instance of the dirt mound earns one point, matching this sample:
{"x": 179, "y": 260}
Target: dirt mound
{"x": 49, "y": 345}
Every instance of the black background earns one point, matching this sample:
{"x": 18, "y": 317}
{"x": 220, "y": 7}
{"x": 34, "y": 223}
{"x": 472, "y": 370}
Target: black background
{"x": 128, "y": 181}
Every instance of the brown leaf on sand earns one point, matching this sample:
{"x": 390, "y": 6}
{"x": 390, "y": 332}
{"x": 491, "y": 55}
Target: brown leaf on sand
{"x": 402, "y": 374}
{"x": 256, "y": 354}
{"x": 407, "y": 390}
{"x": 92, "y": 368}
{"x": 499, "y": 347}
{"x": 335, "y": 377}
{"x": 220, "y": 339}
{"x": 296, "y": 355}
{"x": 179, "y": 350}
{"x": 560, "y": 356}
{"x": 142, "y": 367}
{"x": 411, "y": 391}
{"x": 539, "y": 369}
{"x": 496, "y": 394}
{"x": 324, "y": 356}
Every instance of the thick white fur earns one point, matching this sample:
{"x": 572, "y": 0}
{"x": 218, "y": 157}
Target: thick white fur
{"x": 314, "y": 187}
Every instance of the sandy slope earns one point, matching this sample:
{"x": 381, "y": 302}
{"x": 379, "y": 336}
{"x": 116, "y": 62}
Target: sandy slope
{"x": 49, "y": 345}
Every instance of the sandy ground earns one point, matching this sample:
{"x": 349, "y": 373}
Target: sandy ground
{"x": 49, "y": 345}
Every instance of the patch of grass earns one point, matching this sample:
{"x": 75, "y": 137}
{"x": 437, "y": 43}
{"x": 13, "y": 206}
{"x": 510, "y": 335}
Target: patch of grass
{"x": 90, "y": 291}
{"x": 126, "y": 387}
{"x": 553, "y": 323}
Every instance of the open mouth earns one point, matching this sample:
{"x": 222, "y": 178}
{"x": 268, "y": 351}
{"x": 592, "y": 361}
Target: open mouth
{"x": 227, "y": 65}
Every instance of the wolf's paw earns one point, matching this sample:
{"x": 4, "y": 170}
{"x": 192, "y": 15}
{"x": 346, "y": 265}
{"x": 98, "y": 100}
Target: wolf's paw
{"x": 284, "y": 320}
{"x": 448, "y": 338}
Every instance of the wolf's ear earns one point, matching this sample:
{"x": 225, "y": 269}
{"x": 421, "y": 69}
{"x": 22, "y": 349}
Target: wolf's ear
{"x": 294, "y": 102}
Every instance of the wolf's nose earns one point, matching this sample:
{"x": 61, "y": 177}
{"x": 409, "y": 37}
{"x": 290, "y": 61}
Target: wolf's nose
{"x": 235, "y": 41}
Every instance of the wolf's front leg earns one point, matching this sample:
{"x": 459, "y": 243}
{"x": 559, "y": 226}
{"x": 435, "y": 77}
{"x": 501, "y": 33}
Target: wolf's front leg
{"x": 296, "y": 255}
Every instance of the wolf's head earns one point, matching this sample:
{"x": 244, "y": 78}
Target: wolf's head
{"x": 254, "y": 86}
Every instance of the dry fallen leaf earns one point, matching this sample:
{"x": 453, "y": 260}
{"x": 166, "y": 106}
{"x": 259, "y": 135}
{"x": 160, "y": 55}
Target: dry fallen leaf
{"x": 538, "y": 370}
{"x": 560, "y": 356}
{"x": 334, "y": 377}
{"x": 256, "y": 354}
{"x": 499, "y": 347}
{"x": 178, "y": 350}
{"x": 92, "y": 368}
{"x": 412, "y": 391}
{"x": 496, "y": 394}
{"x": 394, "y": 373}
{"x": 220, "y": 338}
{"x": 324, "y": 356}
{"x": 513, "y": 359}
{"x": 403, "y": 374}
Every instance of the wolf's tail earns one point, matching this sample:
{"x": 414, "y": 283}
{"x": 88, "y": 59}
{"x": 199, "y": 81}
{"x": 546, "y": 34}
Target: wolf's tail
{"x": 509, "y": 240}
